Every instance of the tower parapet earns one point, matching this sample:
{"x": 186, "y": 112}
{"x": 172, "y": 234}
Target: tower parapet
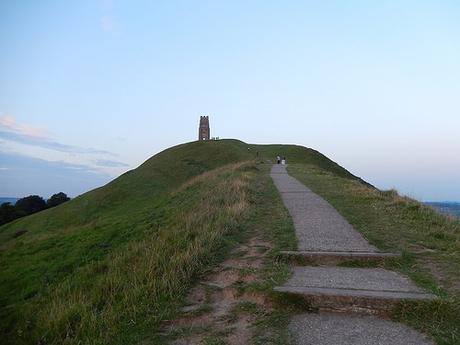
{"x": 204, "y": 133}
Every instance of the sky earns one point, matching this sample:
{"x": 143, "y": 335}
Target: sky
{"x": 90, "y": 89}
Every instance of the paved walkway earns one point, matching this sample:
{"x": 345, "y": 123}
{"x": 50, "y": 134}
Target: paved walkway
{"x": 319, "y": 227}
{"x": 336, "y": 329}
{"x": 324, "y": 234}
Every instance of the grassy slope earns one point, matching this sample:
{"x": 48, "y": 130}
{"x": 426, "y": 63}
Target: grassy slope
{"x": 53, "y": 278}
{"x": 61, "y": 240}
{"x": 112, "y": 213}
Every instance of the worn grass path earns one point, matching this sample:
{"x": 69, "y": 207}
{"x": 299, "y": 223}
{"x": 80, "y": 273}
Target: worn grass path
{"x": 233, "y": 302}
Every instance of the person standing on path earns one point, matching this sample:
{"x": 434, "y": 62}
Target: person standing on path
{"x": 278, "y": 160}
{"x": 283, "y": 161}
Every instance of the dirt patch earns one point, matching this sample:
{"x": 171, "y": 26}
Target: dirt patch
{"x": 191, "y": 340}
{"x": 249, "y": 278}
{"x": 246, "y": 262}
{"x": 196, "y": 296}
{"x": 212, "y": 306}
{"x": 255, "y": 248}
{"x": 242, "y": 333}
{"x": 258, "y": 299}
{"x": 191, "y": 321}
{"x": 225, "y": 277}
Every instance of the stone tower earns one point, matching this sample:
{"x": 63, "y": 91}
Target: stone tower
{"x": 204, "y": 132}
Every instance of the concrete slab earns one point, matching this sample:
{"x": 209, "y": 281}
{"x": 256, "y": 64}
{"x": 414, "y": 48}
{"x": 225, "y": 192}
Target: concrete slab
{"x": 334, "y": 258}
{"x": 319, "y": 227}
{"x": 342, "y": 297}
{"x": 340, "y": 253}
{"x": 362, "y": 290}
{"x": 333, "y": 329}
{"x": 376, "y": 279}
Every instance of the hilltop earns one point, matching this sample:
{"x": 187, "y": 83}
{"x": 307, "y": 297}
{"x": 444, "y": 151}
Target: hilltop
{"x": 110, "y": 266}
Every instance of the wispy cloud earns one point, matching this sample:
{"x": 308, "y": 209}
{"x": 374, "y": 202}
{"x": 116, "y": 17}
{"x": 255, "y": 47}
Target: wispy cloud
{"x": 9, "y": 123}
{"x": 15, "y": 160}
{"x": 110, "y": 163}
{"x": 11, "y": 130}
{"x": 24, "y": 175}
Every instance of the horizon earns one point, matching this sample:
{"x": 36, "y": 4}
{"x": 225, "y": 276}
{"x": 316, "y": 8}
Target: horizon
{"x": 90, "y": 90}
{"x": 76, "y": 195}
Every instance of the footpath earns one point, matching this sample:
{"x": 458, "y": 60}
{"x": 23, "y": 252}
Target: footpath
{"x": 351, "y": 301}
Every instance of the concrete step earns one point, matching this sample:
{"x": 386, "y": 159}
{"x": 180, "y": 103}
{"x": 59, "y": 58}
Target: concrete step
{"x": 360, "y": 290}
{"x": 335, "y": 257}
{"x": 333, "y": 329}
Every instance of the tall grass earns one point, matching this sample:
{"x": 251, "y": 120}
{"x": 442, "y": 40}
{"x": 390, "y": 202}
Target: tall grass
{"x": 117, "y": 299}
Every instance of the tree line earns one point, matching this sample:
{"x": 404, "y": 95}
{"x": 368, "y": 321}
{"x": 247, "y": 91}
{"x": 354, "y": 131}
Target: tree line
{"x": 28, "y": 205}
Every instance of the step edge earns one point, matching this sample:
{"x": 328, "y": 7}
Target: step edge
{"x": 338, "y": 253}
{"x": 357, "y": 293}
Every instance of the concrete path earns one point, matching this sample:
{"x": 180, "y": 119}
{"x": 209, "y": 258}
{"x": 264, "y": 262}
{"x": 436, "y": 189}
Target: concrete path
{"x": 336, "y": 329}
{"x": 325, "y": 235}
{"x": 363, "y": 279}
{"x": 369, "y": 290}
{"x": 319, "y": 227}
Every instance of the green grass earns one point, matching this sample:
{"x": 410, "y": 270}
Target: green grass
{"x": 115, "y": 299}
{"x": 93, "y": 269}
{"x": 111, "y": 265}
{"x": 61, "y": 241}
{"x": 429, "y": 243}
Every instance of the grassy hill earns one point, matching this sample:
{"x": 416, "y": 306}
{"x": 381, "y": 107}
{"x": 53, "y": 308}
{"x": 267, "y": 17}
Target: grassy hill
{"x": 110, "y": 266}
{"x": 92, "y": 269}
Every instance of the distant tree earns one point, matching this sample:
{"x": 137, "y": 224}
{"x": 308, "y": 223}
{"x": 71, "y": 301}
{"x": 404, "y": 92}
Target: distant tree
{"x": 7, "y": 213}
{"x": 30, "y": 204}
{"x": 57, "y": 199}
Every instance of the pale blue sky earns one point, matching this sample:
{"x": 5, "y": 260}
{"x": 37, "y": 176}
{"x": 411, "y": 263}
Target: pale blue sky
{"x": 89, "y": 89}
